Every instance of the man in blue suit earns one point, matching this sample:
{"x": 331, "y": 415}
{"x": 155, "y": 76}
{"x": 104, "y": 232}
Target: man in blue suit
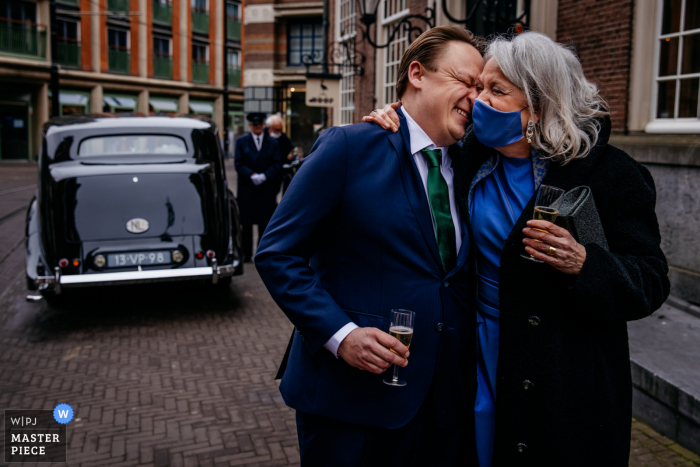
{"x": 370, "y": 224}
{"x": 259, "y": 165}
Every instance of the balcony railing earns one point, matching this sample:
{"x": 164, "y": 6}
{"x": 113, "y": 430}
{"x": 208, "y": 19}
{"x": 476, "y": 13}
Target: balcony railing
{"x": 162, "y": 12}
{"x": 119, "y": 61}
{"x": 22, "y": 39}
{"x": 68, "y": 54}
{"x": 233, "y": 29}
{"x": 118, "y": 5}
{"x": 200, "y": 72}
{"x": 200, "y": 21}
{"x": 163, "y": 67}
{"x": 69, "y": 2}
{"x": 234, "y": 77}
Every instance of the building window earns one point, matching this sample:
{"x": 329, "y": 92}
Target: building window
{"x": 346, "y": 42}
{"x": 233, "y": 59}
{"x": 677, "y": 85}
{"x": 118, "y": 40}
{"x": 18, "y": 11}
{"x": 200, "y": 53}
{"x": 347, "y": 19}
{"x": 200, "y": 5}
{"x": 393, "y": 7}
{"x": 304, "y": 39}
{"x": 68, "y": 30}
{"x": 233, "y": 11}
{"x": 392, "y": 57}
{"x": 161, "y": 47}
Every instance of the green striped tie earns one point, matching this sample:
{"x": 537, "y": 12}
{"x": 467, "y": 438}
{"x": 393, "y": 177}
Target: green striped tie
{"x": 439, "y": 197}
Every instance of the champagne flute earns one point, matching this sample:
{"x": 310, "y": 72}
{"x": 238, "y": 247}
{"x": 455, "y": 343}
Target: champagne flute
{"x": 400, "y": 327}
{"x": 546, "y": 209}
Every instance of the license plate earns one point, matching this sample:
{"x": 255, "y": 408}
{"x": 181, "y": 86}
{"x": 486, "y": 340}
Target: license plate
{"x": 138, "y": 258}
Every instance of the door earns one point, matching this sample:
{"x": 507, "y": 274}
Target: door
{"x": 14, "y": 130}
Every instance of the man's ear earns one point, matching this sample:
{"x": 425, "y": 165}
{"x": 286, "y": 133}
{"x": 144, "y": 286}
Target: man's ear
{"x": 416, "y": 72}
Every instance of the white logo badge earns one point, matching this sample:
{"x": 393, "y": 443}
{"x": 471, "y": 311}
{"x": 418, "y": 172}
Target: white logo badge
{"x": 137, "y": 225}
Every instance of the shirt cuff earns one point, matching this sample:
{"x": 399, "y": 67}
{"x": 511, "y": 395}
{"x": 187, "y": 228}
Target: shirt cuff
{"x": 262, "y": 178}
{"x": 334, "y": 342}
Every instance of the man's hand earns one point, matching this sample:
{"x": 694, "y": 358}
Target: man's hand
{"x": 368, "y": 349}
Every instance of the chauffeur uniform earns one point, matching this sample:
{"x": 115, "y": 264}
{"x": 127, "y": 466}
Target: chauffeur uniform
{"x": 259, "y": 166}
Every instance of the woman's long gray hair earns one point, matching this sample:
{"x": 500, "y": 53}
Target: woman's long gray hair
{"x": 550, "y": 75}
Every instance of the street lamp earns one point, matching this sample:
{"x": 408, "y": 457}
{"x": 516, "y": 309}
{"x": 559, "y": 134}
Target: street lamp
{"x": 368, "y": 17}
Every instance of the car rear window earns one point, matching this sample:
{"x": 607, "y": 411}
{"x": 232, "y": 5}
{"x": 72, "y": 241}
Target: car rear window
{"x": 117, "y": 145}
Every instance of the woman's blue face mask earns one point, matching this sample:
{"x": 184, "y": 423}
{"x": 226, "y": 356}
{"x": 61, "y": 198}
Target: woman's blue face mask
{"x": 494, "y": 128}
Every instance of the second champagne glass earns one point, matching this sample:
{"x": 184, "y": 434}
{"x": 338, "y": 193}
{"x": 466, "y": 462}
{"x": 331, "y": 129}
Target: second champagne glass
{"x": 400, "y": 327}
{"x": 546, "y": 209}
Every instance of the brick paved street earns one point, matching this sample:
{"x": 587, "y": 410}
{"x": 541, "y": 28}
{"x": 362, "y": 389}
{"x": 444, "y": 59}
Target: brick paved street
{"x": 167, "y": 376}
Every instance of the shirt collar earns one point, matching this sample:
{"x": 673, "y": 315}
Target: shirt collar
{"x": 419, "y": 138}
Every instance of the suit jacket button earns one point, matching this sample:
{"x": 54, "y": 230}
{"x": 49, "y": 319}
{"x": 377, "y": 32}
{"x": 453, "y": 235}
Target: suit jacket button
{"x": 438, "y": 327}
{"x": 446, "y": 284}
{"x": 522, "y": 448}
{"x": 534, "y": 321}
{"x": 527, "y": 385}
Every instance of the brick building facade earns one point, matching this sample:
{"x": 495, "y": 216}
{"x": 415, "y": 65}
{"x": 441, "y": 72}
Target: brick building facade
{"x": 119, "y": 56}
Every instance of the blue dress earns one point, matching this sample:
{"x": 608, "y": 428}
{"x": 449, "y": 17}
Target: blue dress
{"x": 498, "y": 201}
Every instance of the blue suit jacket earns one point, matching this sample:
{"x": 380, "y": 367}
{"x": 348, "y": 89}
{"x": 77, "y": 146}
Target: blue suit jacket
{"x": 358, "y": 211}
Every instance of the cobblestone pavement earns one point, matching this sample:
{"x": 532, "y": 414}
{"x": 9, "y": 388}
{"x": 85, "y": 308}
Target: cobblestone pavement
{"x": 177, "y": 375}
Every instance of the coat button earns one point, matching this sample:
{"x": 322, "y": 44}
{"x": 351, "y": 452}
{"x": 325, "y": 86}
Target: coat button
{"x": 534, "y": 321}
{"x": 446, "y": 284}
{"x": 522, "y": 448}
{"x": 527, "y": 385}
{"x": 438, "y": 327}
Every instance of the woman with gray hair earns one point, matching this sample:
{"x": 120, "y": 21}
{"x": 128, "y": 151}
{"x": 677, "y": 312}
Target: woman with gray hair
{"x": 552, "y": 374}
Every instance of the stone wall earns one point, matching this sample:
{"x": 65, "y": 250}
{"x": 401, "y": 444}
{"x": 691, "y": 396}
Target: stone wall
{"x": 674, "y": 162}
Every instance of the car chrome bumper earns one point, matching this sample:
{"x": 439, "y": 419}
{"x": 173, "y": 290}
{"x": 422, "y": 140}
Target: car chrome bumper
{"x": 59, "y": 281}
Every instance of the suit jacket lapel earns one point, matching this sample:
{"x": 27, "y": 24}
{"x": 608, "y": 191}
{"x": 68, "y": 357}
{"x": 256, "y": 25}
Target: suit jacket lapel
{"x": 414, "y": 186}
{"x": 454, "y": 153}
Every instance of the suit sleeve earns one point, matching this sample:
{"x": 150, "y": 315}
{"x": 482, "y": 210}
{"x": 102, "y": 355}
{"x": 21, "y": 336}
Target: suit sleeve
{"x": 631, "y": 280}
{"x": 293, "y": 236}
{"x": 276, "y": 168}
{"x": 243, "y": 170}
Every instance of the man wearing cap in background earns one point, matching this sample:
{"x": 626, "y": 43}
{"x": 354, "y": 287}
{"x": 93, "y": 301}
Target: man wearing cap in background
{"x": 259, "y": 166}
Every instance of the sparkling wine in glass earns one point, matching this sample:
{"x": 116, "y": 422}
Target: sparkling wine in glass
{"x": 400, "y": 327}
{"x": 546, "y": 209}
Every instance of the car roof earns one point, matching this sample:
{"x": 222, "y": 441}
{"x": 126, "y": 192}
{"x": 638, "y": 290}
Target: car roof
{"x": 110, "y": 121}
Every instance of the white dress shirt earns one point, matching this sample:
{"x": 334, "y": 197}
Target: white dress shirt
{"x": 258, "y": 141}
{"x": 419, "y": 140}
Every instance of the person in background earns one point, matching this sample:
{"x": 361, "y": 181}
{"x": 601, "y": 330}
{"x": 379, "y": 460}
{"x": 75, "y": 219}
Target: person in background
{"x": 274, "y": 129}
{"x": 259, "y": 166}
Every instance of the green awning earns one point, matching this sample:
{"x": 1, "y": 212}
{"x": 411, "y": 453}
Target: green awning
{"x": 163, "y": 105}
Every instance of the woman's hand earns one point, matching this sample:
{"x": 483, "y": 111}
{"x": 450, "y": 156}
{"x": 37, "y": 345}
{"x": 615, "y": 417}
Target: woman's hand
{"x": 568, "y": 255}
{"x": 387, "y": 118}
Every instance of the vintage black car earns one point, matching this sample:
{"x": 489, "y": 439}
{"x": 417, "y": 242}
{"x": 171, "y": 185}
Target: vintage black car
{"x": 124, "y": 200}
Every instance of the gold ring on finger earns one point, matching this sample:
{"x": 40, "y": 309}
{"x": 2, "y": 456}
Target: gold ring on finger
{"x": 552, "y": 251}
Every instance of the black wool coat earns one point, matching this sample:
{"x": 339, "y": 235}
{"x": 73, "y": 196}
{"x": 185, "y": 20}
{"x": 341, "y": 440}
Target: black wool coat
{"x": 564, "y": 390}
{"x": 257, "y": 203}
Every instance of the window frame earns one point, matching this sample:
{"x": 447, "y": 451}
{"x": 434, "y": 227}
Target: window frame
{"x": 685, "y": 125}
{"x": 314, "y": 22}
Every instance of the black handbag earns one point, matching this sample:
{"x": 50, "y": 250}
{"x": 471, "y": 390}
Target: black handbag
{"x": 579, "y": 215}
